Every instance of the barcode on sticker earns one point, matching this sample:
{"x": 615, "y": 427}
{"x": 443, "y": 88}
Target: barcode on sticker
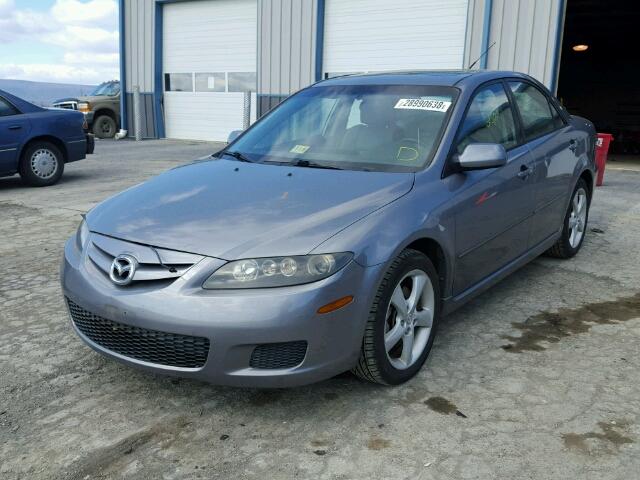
{"x": 433, "y": 105}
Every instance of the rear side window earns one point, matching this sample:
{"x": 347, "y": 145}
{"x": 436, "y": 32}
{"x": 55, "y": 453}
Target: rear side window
{"x": 488, "y": 120}
{"x": 6, "y": 108}
{"x": 539, "y": 117}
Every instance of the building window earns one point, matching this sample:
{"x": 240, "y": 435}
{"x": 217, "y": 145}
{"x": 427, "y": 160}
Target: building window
{"x": 211, "y": 82}
{"x": 178, "y": 82}
{"x": 242, "y": 81}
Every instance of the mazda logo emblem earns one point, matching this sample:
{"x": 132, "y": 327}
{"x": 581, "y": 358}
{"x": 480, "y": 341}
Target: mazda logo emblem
{"x": 123, "y": 268}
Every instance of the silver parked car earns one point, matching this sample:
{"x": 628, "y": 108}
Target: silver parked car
{"x": 336, "y": 232}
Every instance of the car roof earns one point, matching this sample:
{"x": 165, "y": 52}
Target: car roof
{"x": 460, "y": 78}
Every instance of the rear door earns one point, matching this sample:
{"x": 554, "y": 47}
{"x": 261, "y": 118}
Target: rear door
{"x": 14, "y": 128}
{"x": 553, "y": 146}
{"x": 494, "y": 206}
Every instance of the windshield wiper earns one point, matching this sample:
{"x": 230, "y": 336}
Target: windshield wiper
{"x": 238, "y": 156}
{"x": 309, "y": 164}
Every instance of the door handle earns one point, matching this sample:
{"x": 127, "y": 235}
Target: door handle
{"x": 524, "y": 172}
{"x": 573, "y": 145}
{"x": 15, "y": 127}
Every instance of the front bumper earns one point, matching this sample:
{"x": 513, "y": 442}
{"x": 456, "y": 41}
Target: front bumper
{"x": 235, "y": 322}
{"x": 88, "y": 116}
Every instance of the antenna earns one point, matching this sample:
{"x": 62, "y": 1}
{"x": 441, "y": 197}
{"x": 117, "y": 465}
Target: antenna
{"x": 482, "y": 55}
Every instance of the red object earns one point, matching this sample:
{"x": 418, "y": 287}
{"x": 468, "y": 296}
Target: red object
{"x": 602, "y": 149}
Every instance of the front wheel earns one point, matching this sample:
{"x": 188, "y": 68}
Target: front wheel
{"x": 104, "y": 127}
{"x": 575, "y": 224}
{"x": 402, "y": 321}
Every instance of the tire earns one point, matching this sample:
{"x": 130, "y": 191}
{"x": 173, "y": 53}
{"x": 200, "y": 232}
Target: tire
{"x": 41, "y": 164}
{"x": 389, "y": 366}
{"x": 568, "y": 245}
{"x": 104, "y": 127}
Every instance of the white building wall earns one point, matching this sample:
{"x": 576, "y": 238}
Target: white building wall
{"x": 525, "y": 32}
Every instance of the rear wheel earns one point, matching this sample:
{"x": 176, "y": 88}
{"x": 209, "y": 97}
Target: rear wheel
{"x": 575, "y": 224}
{"x": 42, "y": 164}
{"x": 402, "y": 321}
{"x": 104, "y": 127}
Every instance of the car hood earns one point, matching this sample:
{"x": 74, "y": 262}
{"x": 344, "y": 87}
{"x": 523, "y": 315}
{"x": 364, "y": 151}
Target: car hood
{"x": 229, "y": 209}
{"x": 85, "y": 98}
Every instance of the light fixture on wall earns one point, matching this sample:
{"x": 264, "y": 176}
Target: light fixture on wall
{"x": 580, "y": 48}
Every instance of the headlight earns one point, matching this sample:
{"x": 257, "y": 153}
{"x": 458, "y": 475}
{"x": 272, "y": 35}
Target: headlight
{"x": 84, "y": 107}
{"x": 82, "y": 235}
{"x": 276, "y": 271}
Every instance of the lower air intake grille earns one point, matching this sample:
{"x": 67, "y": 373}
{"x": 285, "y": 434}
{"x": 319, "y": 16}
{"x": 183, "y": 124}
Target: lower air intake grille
{"x": 278, "y": 355}
{"x": 152, "y": 346}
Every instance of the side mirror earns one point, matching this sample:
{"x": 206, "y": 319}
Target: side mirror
{"x": 478, "y": 156}
{"x": 233, "y": 135}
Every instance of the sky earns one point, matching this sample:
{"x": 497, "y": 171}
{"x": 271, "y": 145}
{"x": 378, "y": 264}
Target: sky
{"x": 62, "y": 41}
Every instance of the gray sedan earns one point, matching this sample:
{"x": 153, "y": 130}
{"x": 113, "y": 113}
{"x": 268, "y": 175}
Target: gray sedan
{"x": 336, "y": 232}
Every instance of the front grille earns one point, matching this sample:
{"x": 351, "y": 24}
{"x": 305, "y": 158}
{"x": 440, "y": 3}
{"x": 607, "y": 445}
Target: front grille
{"x": 154, "y": 264}
{"x": 67, "y": 105}
{"x": 151, "y": 346}
{"x": 278, "y": 355}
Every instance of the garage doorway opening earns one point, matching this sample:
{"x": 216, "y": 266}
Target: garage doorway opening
{"x": 600, "y": 67}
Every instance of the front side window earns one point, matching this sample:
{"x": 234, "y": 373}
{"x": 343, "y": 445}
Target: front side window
{"x": 488, "y": 120}
{"x": 538, "y": 116}
{"x": 360, "y": 127}
{"x": 6, "y": 109}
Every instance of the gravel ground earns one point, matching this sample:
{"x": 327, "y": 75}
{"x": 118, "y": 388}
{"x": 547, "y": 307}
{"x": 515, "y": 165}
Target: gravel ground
{"x": 537, "y": 378}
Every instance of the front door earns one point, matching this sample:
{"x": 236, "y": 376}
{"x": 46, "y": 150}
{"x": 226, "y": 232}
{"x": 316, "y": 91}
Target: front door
{"x": 14, "y": 127}
{"x": 494, "y": 206}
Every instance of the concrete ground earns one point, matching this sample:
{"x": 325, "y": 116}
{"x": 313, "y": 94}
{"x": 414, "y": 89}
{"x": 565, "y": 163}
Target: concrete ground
{"x": 538, "y": 378}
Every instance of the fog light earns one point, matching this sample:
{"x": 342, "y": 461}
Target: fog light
{"x": 336, "y": 304}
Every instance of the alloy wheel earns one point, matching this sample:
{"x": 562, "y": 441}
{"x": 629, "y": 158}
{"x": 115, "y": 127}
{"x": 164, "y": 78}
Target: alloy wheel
{"x": 578, "y": 217}
{"x": 409, "y": 319}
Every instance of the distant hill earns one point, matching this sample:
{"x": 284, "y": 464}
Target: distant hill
{"x": 43, "y": 93}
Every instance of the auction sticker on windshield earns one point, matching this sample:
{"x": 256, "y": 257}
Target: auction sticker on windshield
{"x": 432, "y": 104}
{"x": 300, "y": 149}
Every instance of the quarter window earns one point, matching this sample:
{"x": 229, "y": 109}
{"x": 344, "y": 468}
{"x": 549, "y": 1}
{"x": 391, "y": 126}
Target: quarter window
{"x": 488, "y": 120}
{"x": 538, "y": 116}
{"x": 6, "y": 109}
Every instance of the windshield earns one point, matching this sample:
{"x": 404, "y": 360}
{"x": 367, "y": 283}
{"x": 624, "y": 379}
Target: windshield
{"x": 357, "y": 127}
{"x": 106, "y": 89}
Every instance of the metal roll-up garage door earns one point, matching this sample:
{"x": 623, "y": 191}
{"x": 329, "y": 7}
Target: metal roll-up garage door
{"x": 209, "y": 60}
{"x": 378, "y": 35}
